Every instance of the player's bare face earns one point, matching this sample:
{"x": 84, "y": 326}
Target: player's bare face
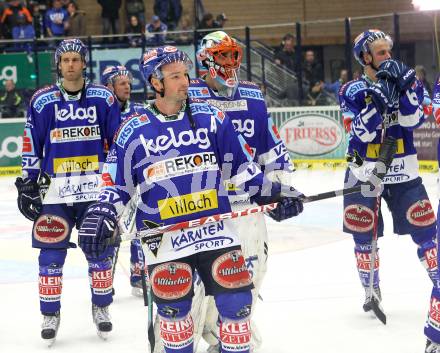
{"x": 121, "y": 88}
{"x": 380, "y": 51}
{"x": 175, "y": 80}
{"x": 71, "y": 66}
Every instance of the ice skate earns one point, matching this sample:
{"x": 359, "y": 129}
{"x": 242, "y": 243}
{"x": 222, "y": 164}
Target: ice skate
{"x": 49, "y": 328}
{"x": 136, "y": 289}
{"x": 101, "y": 318}
{"x": 432, "y": 347}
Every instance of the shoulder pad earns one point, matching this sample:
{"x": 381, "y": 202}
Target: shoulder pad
{"x": 45, "y": 96}
{"x": 351, "y": 89}
{"x": 128, "y": 126}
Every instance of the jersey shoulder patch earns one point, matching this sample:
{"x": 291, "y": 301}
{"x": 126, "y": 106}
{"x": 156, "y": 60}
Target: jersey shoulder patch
{"x": 129, "y": 126}
{"x": 352, "y": 88}
{"x": 45, "y": 96}
{"x": 100, "y": 92}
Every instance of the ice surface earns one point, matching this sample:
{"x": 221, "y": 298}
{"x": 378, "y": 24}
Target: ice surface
{"x": 312, "y": 296}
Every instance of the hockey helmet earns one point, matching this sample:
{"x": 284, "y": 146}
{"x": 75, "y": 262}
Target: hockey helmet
{"x": 154, "y": 59}
{"x": 70, "y": 45}
{"x": 110, "y": 73}
{"x": 363, "y": 41}
{"x": 218, "y": 45}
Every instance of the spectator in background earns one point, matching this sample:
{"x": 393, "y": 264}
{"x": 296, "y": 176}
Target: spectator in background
{"x": 155, "y": 32}
{"x": 207, "y": 22}
{"x": 134, "y": 26}
{"x": 23, "y": 30}
{"x": 55, "y": 19}
{"x": 220, "y": 21}
{"x": 10, "y": 101}
{"x": 38, "y": 19}
{"x": 335, "y": 86}
{"x": 76, "y": 23}
{"x": 10, "y": 17}
{"x": 65, "y": 3}
{"x": 135, "y": 8}
{"x": 110, "y": 16}
{"x": 169, "y": 12}
{"x": 357, "y": 74}
{"x": 184, "y": 25}
{"x": 312, "y": 69}
{"x": 421, "y": 76}
{"x": 285, "y": 56}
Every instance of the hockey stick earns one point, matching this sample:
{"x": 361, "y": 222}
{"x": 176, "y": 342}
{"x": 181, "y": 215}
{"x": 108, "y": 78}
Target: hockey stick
{"x": 148, "y": 302}
{"x": 235, "y": 214}
{"x": 386, "y": 153}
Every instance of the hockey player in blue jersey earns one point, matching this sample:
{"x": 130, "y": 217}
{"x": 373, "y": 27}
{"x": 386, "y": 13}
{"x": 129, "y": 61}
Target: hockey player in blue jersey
{"x": 385, "y": 101}
{"x": 67, "y": 134}
{"x": 118, "y": 79}
{"x": 178, "y": 154}
{"x": 432, "y": 329}
{"x": 219, "y": 59}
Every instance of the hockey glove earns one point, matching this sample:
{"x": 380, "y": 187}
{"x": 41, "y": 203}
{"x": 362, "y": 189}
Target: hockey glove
{"x": 397, "y": 72}
{"x": 98, "y": 229}
{"x": 29, "y": 199}
{"x": 347, "y": 120}
{"x": 289, "y": 203}
{"x": 384, "y": 94}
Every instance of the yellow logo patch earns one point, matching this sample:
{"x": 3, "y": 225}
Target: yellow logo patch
{"x": 188, "y": 204}
{"x": 76, "y": 164}
{"x": 373, "y": 149}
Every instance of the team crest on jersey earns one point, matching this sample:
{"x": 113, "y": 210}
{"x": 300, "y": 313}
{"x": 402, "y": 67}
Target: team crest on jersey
{"x": 45, "y": 99}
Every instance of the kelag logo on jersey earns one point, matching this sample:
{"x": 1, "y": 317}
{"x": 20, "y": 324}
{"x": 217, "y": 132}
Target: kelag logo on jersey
{"x": 161, "y": 143}
{"x": 244, "y": 127}
{"x": 79, "y": 113}
{"x": 45, "y": 99}
{"x": 251, "y": 93}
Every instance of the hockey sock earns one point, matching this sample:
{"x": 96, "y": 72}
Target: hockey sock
{"x": 50, "y": 285}
{"x": 176, "y": 327}
{"x": 362, "y": 251}
{"x": 427, "y": 253}
{"x": 101, "y": 278}
{"x": 235, "y": 327}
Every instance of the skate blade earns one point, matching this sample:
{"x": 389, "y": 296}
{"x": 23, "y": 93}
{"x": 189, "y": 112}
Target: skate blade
{"x": 137, "y": 292}
{"x": 49, "y": 341}
{"x": 102, "y": 335}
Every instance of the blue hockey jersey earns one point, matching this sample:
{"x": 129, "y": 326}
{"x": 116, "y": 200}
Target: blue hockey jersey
{"x": 67, "y": 138}
{"x": 179, "y": 169}
{"x": 366, "y": 130}
{"x": 248, "y": 112}
{"x": 436, "y": 107}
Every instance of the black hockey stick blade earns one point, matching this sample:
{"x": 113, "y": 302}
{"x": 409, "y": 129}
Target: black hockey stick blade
{"x": 151, "y": 335}
{"x": 378, "y": 312}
